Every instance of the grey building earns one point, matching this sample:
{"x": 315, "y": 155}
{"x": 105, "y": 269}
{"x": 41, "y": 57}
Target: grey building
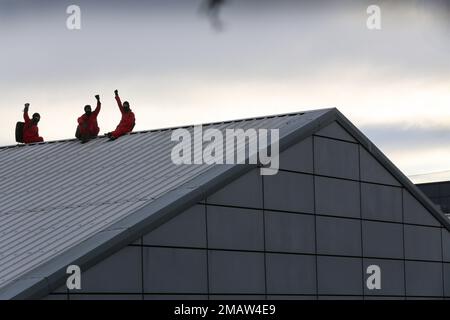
{"x": 141, "y": 227}
{"x": 439, "y": 193}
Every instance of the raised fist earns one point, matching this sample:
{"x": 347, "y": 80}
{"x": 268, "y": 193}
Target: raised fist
{"x": 116, "y": 92}
{"x": 97, "y": 97}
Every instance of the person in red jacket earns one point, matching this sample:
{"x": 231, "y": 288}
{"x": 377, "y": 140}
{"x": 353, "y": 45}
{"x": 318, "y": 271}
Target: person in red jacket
{"x": 87, "y": 124}
{"x": 127, "y": 122}
{"x": 30, "y": 129}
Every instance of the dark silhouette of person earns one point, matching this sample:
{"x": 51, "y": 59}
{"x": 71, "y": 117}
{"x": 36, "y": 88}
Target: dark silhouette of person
{"x": 127, "y": 121}
{"x": 30, "y": 128}
{"x": 212, "y": 9}
{"x": 87, "y": 124}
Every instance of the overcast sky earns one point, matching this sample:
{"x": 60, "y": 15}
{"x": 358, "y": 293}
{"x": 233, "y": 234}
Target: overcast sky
{"x": 271, "y": 57}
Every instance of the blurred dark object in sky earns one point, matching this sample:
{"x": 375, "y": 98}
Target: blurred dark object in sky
{"x": 212, "y": 9}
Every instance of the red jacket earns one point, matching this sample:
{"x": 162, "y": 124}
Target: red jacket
{"x": 127, "y": 122}
{"x": 88, "y": 124}
{"x": 30, "y": 130}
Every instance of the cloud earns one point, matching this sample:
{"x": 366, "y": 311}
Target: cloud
{"x": 403, "y": 136}
{"x": 273, "y": 57}
{"x": 173, "y": 39}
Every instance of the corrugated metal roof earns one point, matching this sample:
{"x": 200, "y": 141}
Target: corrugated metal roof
{"x": 55, "y": 195}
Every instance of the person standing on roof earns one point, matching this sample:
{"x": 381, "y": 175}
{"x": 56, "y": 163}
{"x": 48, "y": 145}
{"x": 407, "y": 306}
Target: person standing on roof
{"x": 87, "y": 124}
{"x": 127, "y": 122}
{"x": 30, "y": 128}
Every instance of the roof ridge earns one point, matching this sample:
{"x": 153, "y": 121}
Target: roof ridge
{"x": 18, "y": 145}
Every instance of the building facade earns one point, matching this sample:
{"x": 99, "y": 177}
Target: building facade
{"x": 309, "y": 232}
{"x": 337, "y": 221}
{"x": 439, "y": 193}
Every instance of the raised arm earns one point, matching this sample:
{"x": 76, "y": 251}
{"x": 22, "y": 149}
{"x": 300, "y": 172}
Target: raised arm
{"x": 99, "y": 105}
{"x": 119, "y": 103}
{"x": 25, "y": 113}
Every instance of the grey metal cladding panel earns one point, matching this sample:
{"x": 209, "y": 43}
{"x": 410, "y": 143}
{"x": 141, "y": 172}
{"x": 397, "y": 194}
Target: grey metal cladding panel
{"x": 373, "y": 171}
{"x": 423, "y": 278}
{"x": 445, "y": 245}
{"x": 236, "y": 272}
{"x": 289, "y": 191}
{"x": 298, "y": 157}
{"x": 381, "y": 202}
{"x": 336, "y": 158}
{"x": 337, "y": 197}
{"x": 444, "y": 189}
{"x": 335, "y": 130}
{"x": 187, "y": 229}
{"x": 415, "y": 212}
{"x": 431, "y": 190}
{"x": 338, "y": 236}
{"x": 245, "y": 191}
{"x": 446, "y": 268}
{"x": 290, "y": 232}
{"x": 422, "y": 243}
{"x": 235, "y": 228}
{"x": 382, "y": 240}
{"x": 339, "y": 276}
{"x": 119, "y": 273}
{"x": 445, "y": 203}
{"x": 170, "y": 270}
{"x": 392, "y": 277}
{"x": 291, "y": 274}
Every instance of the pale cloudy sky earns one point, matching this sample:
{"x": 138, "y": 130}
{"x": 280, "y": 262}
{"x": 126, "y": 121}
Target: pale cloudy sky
{"x": 272, "y": 57}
